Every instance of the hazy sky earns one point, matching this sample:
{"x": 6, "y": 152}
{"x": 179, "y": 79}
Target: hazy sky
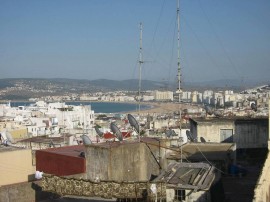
{"x": 93, "y": 39}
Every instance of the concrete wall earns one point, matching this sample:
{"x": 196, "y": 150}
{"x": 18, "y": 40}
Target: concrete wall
{"x": 262, "y": 191}
{"x": 124, "y": 162}
{"x": 210, "y": 131}
{"x": 16, "y": 166}
{"x": 25, "y": 192}
{"x": 251, "y": 134}
{"x": 17, "y": 192}
{"x": 97, "y": 163}
{"x": 19, "y": 133}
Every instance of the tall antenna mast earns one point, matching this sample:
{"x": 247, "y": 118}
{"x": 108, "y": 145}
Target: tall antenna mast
{"x": 140, "y": 74}
{"x": 179, "y": 74}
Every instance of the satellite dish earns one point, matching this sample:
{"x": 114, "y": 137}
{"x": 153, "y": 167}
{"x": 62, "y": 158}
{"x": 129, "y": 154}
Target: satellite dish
{"x": 86, "y": 140}
{"x": 117, "y": 132}
{"x": 98, "y": 131}
{"x": 82, "y": 154}
{"x": 51, "y": 144}
{"x": 174, "y": 133}
{"x": 9, "y": 137}
{"x": 218, "y": 113}
{"x": 190, "y": 138}
{"x": 253, "y": 107}
{"x": 208, "y": 110}
{"x": 202, "y": 140}
{"x": 133, "y": 122}
{"x": 168, "y": 133}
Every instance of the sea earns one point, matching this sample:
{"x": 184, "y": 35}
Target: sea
{"x": 98, "y": 107}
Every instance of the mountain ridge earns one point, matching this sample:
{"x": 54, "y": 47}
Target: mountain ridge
{"x": 126, "y": 84}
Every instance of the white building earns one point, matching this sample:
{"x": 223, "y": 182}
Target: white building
{"x": 207, "y": 96}
{"x": 86, "y": 97}
{"x": 218, "y": 99}
{"x": 186, "y": 96}
{"x": 196, "y": 97}
{"x": 163, "y": 95}
{"x": 48, "y": 119}
{"x": 71, "y": 117}
{"x": 147, "y": 97}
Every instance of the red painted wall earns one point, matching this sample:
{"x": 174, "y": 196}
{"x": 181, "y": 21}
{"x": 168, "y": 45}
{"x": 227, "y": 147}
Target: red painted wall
{"x": 59, "y": 164}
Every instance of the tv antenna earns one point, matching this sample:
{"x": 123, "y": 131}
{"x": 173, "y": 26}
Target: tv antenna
{"x": 140, "y": 73}
{"x": 179, "y": 76}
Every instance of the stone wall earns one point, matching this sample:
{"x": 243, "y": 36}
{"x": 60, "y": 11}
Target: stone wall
{"x": 262, "y": 191}
{"x": 23, "y": 192}
{"x": 104, "y": 189}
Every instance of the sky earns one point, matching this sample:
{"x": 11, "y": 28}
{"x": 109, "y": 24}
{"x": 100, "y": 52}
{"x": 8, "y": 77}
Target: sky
{"x": 99, "y": 39}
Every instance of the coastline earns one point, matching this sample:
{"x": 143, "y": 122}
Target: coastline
{"x": 133, "y": 108}
{"x": 148, "y": 107}
{"x": 159, "y": 108}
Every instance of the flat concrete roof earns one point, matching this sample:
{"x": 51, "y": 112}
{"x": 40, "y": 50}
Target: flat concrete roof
{"x": 110, "y": 144}
{"x": 43, "y": 139}
{"x": 199, "y": 151}
{"x": 226, "y": 119}
{"x": 4, "y": 148}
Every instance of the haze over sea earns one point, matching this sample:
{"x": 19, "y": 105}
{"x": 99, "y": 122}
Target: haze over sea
{"x": 98, "y": 107}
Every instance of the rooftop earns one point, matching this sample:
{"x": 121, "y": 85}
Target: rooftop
{"x": 43, "y": 139}
{"x": 110, "y": 144}
{"x": 4, "y": 148}
{"x": 190, "y": 176}
{"x": 74, "y": 151}
{"x": 226, "y": 119}
{"x": 199, "y": 151}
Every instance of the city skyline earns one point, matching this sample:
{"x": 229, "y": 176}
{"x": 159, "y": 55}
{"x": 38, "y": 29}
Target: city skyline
{"x": 99, "y": 39}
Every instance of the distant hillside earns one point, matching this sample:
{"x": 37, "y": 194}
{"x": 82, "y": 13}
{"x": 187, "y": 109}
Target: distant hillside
{"x": 101, "y": 84}
{"x": 236, "y": 85}
{"x": 24, "y": 88}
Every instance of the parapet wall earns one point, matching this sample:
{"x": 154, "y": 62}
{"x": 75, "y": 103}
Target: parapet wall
{"x": 23, "y": 192}
{"x": 262, "y": 191}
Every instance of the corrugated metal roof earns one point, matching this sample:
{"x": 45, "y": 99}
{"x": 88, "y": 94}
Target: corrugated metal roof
{"x": 190, "y": 176}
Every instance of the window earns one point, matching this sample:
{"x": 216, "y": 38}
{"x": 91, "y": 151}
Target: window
{"x": 180, "y": 194}
{"x": 226, "y": 135}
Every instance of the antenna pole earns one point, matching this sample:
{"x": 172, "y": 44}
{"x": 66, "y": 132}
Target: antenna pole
{"x": 179, "y": 74}
{"x": 140, "y": 75}
{"x": 140, "y": 67}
